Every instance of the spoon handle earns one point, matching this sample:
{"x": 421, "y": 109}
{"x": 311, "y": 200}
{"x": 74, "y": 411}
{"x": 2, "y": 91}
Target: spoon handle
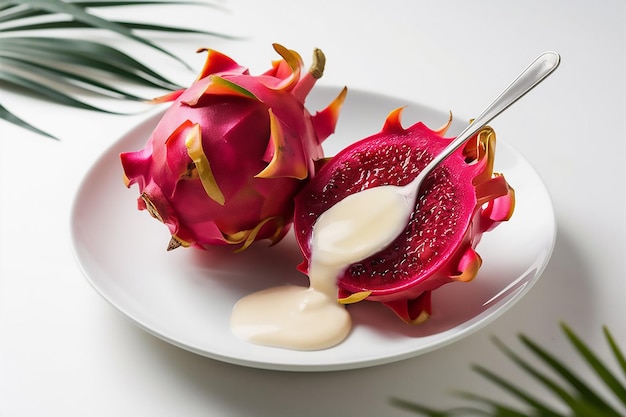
{"x": 536, "y": 72}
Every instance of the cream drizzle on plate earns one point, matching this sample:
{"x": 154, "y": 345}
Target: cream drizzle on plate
{"x": 302, "y": 318}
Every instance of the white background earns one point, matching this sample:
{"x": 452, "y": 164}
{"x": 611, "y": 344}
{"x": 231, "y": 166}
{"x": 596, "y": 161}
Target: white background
{"x": 66, "y": 352}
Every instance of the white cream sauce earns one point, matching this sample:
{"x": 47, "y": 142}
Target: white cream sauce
{"x": 301, "y": 318}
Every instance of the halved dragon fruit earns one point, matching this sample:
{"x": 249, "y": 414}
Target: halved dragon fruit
{"x": 459, "y": 201}
{"x": 225, "y": 161}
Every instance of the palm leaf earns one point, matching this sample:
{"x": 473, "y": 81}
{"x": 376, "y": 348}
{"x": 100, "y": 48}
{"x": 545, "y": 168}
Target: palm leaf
{"x": 584, "y": 396}
{"x": 85, "y": 82}
{"x": 69, "y": 69}
{"x": 83, "y": 54}
{"x": 611, "y": 381}
{"x": 577, "y": 395}
{"x": 80, "y": 14}
{"x": 42, "y": 90}
{"x": 619, "y": 356}
{"x": 128, "y": 25}
{"x": 11, "y": 118}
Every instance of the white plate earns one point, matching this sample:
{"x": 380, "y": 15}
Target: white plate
{"x": 185, "y": 296}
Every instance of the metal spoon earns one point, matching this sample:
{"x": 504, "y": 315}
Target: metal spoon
{"x": 365, "y": 222}
{"x": 536, "y": 72}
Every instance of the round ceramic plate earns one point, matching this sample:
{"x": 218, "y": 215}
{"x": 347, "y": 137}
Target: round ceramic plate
{"x": 185, "y": 296}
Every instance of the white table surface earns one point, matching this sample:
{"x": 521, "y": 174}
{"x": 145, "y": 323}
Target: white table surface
{"x": 66, "y": 352}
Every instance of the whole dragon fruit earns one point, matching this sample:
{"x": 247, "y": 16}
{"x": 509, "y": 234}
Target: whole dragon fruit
{"x": 460, "y": 200}
{"x": 225, "y": 161}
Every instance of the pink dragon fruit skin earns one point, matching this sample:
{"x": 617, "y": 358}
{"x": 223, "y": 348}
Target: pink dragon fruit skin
{"x": 223, "y": 164}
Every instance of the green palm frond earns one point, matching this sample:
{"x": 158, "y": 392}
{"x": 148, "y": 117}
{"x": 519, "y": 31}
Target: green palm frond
{"x": 67, "y": 68}
{"x": 576, "y": 395}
